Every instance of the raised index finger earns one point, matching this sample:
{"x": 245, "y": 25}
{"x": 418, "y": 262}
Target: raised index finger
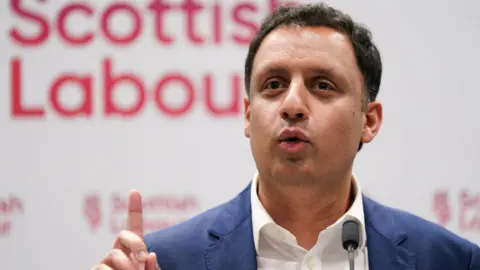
{"x": 135, "y": 215}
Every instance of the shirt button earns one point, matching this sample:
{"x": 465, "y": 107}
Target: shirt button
{"x": 309, "y": 262}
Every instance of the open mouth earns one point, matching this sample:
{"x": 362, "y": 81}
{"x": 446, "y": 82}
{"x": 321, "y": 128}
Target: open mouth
{"x": 293, "y": 140}
{"x": 293, "y": 145}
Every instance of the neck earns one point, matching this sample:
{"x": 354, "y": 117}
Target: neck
{"x": 306, "y": 210}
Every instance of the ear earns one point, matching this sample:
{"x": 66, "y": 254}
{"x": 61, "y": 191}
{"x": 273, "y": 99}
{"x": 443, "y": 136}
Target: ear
{"x": 247, "y": 117}
{"x": 373, "y": 118}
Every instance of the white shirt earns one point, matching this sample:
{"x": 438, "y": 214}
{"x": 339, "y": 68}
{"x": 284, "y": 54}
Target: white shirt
{"x": 277, "y": 248}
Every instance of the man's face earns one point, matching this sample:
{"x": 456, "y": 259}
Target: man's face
{"x": 304, "y": 114}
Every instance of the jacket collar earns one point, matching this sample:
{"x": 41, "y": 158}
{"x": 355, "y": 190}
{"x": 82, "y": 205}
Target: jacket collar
{"x": 233, "y": 247}
{"x": 232, "y": 235}
{"x": 387, "y": 242}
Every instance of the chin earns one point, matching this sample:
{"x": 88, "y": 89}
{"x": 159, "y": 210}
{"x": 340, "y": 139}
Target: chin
{"x": 293, "y": 168}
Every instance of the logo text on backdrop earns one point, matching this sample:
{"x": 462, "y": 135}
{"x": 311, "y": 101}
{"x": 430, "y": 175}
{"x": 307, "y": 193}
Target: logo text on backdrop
{"x": 9, "y": 207}
{"x": 234, "y": 25}
{"x": 462, "y": 210}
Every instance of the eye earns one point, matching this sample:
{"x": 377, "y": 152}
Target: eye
{"x": 324, "y": 86}
{"x": 273, "y": 84}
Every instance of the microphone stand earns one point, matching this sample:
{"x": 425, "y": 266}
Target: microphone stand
{"x": 350, "y": 240}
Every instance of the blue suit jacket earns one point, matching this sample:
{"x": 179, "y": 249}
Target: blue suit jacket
{"x": 221, "y": 238}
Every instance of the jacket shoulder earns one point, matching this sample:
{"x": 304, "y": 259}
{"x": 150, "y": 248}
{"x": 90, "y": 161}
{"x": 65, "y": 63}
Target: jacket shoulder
{"x": 184, "y": 242}
{"x": 424, "y": 229}
{"x": 429, "y": 240}
{"x": 183, "y": 245}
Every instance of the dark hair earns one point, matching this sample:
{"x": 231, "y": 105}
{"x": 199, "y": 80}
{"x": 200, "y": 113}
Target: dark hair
{"x": 366, "y": 53}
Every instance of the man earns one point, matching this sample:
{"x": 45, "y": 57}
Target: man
{"x": 312, "y": 76}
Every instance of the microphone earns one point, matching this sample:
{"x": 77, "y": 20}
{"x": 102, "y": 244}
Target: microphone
{"x": 350, "y": 239}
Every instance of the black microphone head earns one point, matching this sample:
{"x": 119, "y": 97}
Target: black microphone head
{"x": 350, "y": 234}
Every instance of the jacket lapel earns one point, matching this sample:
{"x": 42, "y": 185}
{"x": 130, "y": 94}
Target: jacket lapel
{"x": 386, "y": 242}
{"x": 233, "y": 248}
{"x": 232, "y": 237}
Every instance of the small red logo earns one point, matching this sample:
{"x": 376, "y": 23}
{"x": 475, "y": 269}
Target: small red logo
{"x": 469, "y": 210}
{"x": 8, "y": 208}
{"x": 92, "y": 211}
{"x": 441, "y": 207}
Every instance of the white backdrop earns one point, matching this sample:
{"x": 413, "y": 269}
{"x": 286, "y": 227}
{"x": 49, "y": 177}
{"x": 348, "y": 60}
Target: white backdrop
{"x": 68, "y": 158}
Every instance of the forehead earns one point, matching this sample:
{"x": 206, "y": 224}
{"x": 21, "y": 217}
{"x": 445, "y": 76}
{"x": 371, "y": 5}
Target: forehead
{"x": 295, "y": 47}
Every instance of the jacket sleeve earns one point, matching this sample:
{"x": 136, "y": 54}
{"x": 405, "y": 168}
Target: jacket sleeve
{"x": 475, "y": 259}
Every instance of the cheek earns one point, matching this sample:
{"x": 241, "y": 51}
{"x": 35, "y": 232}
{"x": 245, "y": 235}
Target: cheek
{"x": 262, "y": 130}
{"x": 261, "y": 119}
{"x": 339, "y": 125}
{"x": 350, "y": 128}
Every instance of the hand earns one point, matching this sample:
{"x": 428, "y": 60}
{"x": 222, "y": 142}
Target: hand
{"x": 129, "y": 251}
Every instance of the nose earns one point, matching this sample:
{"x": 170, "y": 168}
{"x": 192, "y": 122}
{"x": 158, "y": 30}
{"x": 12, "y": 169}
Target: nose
{"x": 294, "y": 107}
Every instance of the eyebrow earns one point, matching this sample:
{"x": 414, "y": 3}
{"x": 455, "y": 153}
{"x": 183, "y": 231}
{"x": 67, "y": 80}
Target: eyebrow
{"x": 282, "y": 71}
{"x": 329, "y": 72}
{"x": 273, "y": 70}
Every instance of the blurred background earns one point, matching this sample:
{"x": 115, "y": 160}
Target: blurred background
{"x": 100, "y": 97}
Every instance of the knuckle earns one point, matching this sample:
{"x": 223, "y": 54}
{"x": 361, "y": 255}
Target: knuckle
{"x": 100, "y": 267}
{"x": 115, "y": 253}
{"x": 130, "y": 236}
{"x": 125, "y": 234}
{"x": 112, "y": 256}
{"x": 130, "y": 239}
{"x": 117, "y": 259}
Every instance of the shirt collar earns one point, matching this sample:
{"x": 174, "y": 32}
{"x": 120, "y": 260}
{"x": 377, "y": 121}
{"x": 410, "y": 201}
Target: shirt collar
{"x": 261, "y": 218}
